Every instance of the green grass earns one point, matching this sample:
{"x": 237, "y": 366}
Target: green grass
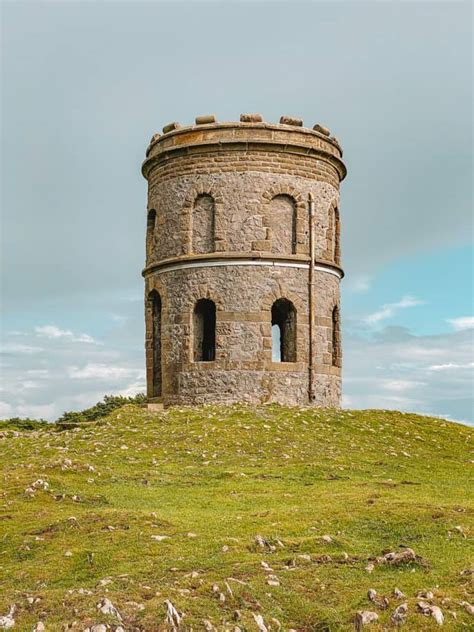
{"x": 373, "y": 480}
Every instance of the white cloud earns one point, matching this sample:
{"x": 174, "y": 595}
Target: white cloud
{"x": 133, "y": 389}
{"x": 41, "y": 373}
{"x": 402, "y": 385}
{"x": 5, "y": 410}
{"x": 461, "y": 323}
{"x": 12, "y": 347}
{"x": 360, "y": 283}
{"x": 36, "y": 411}
{"x": 99, "y": 372}
{"x": 451, "y": 366}
{"x": 52, "y": 332}
{"x": 389, "y": 309}
{"x": 395, "y": 369}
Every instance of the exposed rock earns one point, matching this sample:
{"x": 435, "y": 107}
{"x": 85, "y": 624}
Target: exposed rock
{"x": 424, "y": 594}
{"x": 397, "y": 593}
{"x": 273, "y": 580}
{"x": 263, "y": 544}
{"x": 173, "y": 618}
{"x": 326, "y": 538}
{"x": 107, "y": 607}
{"x": 395, "y": 559}
{"x": 469, "y": 608}
{"x": 381, "y": 602}
{"x": 430, "y": 610}
{"x": 7, "y": 621}
{"x": 399, "y": 615}
{"x": 260, "y": 622}
{"x": 40, "y": 484}
{"x": 364, "y": 617}
{"x": 159, "y": 538}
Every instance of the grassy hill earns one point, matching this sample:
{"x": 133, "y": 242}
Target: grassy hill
{"x": 239, "y": 517}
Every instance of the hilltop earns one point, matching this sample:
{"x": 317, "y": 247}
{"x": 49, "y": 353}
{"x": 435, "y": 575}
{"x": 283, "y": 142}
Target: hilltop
{"x": 237, "y": 517}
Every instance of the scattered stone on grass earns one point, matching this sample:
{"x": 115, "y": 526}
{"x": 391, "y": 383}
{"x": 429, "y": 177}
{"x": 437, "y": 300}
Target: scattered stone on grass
{"x": 273, "y": 580}
{"x": 425, "y": 594}
{"x": 395, "y": 559}
{"x": 159, "y": 538}
{"x": 173, "y": 617}
{"x": 260, "y": 622}
{"x": 469, "y": 608}
{"x": 380, "y": 602}
{"x": 431, "y": 611}
{"x": 107, "y": 607}
{"x": 397, "y": 593}
{"x": 364, "y": 617}
{"x": 399, "y": 615}
{"x": 7, "y": 621}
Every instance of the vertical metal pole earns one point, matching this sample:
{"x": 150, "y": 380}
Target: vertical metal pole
{"x": 311, "y": 298}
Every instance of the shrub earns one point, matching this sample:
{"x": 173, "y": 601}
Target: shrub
{"x": 16, "y": 423}
{"x": 101, "y": 409}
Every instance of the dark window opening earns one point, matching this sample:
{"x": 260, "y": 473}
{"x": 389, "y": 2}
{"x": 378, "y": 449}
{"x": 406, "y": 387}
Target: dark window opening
{"x": 205, "y": 331}
{"x": 150, "y": 230}
{"x": 283, "y": 331}
{"x": 154, "y": 301}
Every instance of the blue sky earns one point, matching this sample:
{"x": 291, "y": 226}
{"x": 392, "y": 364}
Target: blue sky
{"x": 86, "y": 84}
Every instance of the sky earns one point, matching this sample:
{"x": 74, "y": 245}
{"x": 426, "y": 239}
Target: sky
{"x": 86, "y": 84}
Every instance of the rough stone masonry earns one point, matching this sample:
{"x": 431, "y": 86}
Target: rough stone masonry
{"x": 242, "y": 273}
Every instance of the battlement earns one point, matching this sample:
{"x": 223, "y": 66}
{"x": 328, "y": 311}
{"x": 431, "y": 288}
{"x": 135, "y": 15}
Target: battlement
{"x": 288, "y": 135}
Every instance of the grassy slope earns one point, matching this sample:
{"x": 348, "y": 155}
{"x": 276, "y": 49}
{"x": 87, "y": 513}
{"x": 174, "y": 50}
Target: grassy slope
{"x": 373, "y": 480}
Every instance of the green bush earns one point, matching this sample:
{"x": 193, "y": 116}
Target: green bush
{"x": 16, "y": 423}
{"x": 101, "y": 409}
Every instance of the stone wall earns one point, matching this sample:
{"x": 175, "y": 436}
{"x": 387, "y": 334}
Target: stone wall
{"x": 228, "y": 221}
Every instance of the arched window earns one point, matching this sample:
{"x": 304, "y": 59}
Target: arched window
{"x": 282, "y": 222}
{"x": 154, "y": 305}
{"x": 203, "y": 219}
{"x": 204, "y": 330}
{"x": 283, "y": 331}
{"x": 336, "y": 337}
{"x": 150, "y": 230}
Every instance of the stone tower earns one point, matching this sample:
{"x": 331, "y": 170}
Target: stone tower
{"x": 243, "y": 263}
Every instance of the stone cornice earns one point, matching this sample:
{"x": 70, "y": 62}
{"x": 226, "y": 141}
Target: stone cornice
{"x": 240, "y": 258}
{"x": 244, "y": 137}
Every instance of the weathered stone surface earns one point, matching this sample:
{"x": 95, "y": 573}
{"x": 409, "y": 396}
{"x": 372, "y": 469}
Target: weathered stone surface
{"x": 231, "y": 225}
{"x": 290, "y": 120}
{"x": 251, "y": 118}
{"x": 170, "y": 127}
{"x": 322, "y": 130}
{"x": 205, "y": 119}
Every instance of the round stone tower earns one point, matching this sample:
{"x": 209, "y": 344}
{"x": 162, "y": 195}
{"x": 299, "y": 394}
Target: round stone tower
{"x": 243, "y": 263}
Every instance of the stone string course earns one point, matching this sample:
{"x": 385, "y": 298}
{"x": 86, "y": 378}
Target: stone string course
{"x": 223, "y": 194}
